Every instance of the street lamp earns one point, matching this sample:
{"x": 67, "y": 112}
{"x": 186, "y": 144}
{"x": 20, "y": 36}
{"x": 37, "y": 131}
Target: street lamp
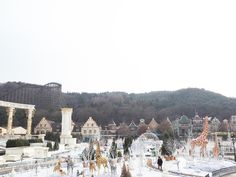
{"x": 233, "y": 140}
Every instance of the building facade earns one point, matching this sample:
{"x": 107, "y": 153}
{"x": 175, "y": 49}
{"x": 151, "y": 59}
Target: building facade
{"x": 90, "y": 129}
{"x": 197, "y": 123}
{"x": 215, "y": 125}
{"x": 43, "y": 126}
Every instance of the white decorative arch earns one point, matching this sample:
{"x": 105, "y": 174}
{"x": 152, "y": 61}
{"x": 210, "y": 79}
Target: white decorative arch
{"x": 11, "y": 106}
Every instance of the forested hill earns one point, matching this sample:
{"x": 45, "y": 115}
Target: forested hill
{"x": 121, "y": 106}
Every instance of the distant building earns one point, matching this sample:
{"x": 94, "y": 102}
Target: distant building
{"x": 232, "y": 123}
{"x": 123, "y": 130}
{"x": 44, "y": 126}
{"x": 90, "y": 129}
{"x": 165, "y": 126}
{"x": 225, "y": 126}
{"x": 197, "y": 123}
{"x": 19, "y": 131}
{"x": 142, "y": 127}
{"x": 3, "y": 131}
{"x": 182, "y": 126}
{"x": 133, "y": 128}
{"x": 215, "y": 125}
{"x": 153, "y": 125}
{"x": 15, "y": 131}
{"x": 111, "y": 128}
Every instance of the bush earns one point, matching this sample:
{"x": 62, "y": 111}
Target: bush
{"x": 35, "y": 141}
{"x": 17, "y": 143}
{"x": 49, "y": 144}
{"x": 119, "y": 154}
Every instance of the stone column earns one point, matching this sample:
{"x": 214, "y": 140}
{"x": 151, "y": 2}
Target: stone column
{"x": 66, "y": 122}
{"x": 10, "y": 113}
{"x": 29, "y": 114}
{"x": 66, "y": 127}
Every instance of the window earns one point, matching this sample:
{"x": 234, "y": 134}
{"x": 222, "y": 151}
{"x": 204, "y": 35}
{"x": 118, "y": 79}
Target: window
{"x": 85, "y": 131}
{"x": 41, "y": 125}
{"x": 87, "y": 125}
{"x": 94, "y": 131}
{"x": 45, "y": 125}
{"x": 92, "y": 125}
{"x": 90, "y": 131}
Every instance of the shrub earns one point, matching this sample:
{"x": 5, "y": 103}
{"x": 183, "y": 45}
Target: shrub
{"x": 35, "y": 141}
{"x": 17, "y": 143}
{"x": 119, "y": 154}
{"x": 49, "y": 144}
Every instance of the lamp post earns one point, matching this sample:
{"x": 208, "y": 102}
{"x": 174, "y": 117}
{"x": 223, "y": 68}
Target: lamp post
{"x": 233, "y": 140}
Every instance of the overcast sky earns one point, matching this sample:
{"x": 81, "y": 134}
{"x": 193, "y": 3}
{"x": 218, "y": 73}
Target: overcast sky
{"x": 123, "y": 45}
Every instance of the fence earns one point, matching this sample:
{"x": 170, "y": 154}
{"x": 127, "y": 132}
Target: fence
{"x": 224, "y": 171}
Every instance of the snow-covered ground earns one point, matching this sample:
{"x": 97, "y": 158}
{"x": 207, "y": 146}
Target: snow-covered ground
{"x": 183, "y": 166}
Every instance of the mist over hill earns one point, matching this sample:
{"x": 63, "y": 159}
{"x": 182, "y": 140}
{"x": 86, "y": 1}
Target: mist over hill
{"x": 124, "y": 107}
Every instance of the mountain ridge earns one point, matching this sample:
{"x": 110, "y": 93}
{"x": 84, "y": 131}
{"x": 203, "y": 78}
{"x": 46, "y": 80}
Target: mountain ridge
{"x": 125, "y": 107}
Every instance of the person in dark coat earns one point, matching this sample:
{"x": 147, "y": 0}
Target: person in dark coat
{"x": 159, "y": 163}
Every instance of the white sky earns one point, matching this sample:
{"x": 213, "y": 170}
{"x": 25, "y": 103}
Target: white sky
{"x": 122, "y": 45}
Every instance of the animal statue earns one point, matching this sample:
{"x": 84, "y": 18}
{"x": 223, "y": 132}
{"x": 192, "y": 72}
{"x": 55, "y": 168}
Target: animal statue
{"x": 99, "y": 159}
{"x": 149, "y": 163}
{"x": 216, "y": 149}
{"x": 92, "y": 167}
{"x": 201, "y": 140}
{"x": 57, "y": 168}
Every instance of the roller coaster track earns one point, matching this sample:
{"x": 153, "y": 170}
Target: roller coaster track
{"x": 29, "y": 93}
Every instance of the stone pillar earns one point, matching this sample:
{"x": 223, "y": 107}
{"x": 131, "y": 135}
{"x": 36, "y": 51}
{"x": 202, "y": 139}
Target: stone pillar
{"x": 66, "y": 137}
{"x": 29, "y": 114}
{"x": 66, "y": 122}
{"x": 10, "y": 113}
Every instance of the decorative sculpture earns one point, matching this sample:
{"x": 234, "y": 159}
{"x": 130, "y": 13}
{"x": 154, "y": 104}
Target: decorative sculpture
{"x": 99, "y": 159}
{"x": 57, "y": 168}
{"x": 92, "y": 167}
{"x": 216, "y": 149}
{"x": 201, "y": 140}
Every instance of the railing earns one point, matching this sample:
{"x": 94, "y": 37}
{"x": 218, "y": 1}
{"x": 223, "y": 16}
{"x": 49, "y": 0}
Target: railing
{"x": 29, "y": 165}
{"x": 224, "y": 171}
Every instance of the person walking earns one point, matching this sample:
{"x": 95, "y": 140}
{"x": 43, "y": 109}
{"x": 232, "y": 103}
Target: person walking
{"x": 36, "y": 165}
{"x": 159, "y": 163}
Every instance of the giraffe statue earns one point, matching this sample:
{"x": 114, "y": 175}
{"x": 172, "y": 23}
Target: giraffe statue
{"x": 216, "y": 149}
{"x": 201, "y": 140}
{"x": 99, "y": 159}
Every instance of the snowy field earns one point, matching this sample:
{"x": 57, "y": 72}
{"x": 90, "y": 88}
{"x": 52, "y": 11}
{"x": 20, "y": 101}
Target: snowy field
{"x": 183, "y": 166}
{"x": 170, "y": 168}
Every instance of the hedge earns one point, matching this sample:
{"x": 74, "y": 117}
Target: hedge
{"x": 21, "y": 142}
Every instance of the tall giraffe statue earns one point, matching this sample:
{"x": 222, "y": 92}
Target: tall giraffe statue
{"x": 201, "y": 140}
{"x": 99, "y": 159}
{"x": 216, "y": 149}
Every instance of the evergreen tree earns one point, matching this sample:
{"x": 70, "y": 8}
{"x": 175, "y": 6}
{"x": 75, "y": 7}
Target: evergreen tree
{"x": 127, "y": 144}
{"x": 56, "y": 146}
{"x": 113, "y": 150}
